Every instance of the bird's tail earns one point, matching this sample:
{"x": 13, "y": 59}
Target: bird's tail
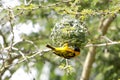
{"x": 50, "y": 47}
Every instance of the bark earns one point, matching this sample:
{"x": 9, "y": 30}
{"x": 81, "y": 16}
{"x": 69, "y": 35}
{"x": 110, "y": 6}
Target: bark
{"x": 103, "y": 27}
{"x": 88, "y": 63}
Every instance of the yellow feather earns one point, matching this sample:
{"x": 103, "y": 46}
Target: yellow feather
{"x": 64, "y": 51}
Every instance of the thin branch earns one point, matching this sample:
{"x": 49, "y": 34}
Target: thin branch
{"x": 4, "y": 39}
{"x": 106, "y": 38}
{"x": 3, "y": 62}
{"x": 106, "y": 24}
{"x": 40, "y": 53}
{"x": 28, "y": 41}
{"x": 8, "y": 63}
{"x": 103, "y": 44}
{"x": 9, "y": 59}
{"x": 11, "y": 17}
{"x": 29, "y": 2}
{"x": 24, "y": 57}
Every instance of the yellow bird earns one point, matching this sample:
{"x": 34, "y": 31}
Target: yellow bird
{"x": 65, "y": 51}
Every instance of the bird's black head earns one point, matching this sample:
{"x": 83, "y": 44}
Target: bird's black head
{"x": 77, "y": 49}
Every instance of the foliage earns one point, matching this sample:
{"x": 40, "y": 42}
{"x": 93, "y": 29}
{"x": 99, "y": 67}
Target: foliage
{"x": 30, "y": 49}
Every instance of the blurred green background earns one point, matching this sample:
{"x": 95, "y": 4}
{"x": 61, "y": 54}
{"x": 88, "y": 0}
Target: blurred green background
{"x": 32, "y": 24}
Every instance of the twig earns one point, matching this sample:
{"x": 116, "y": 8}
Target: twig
{"x": 4, "y": 39}
{"x": 38, "y": 53}
{"x": 6, "y": 66}
{"x": 24, "y": 57}
{"x": 103, "y": 44}
{"x": 11, "y": 17}
{"x": 28, "y": 41}
{"x": 27, "y": 3}
{"x": 107, "y": 39}
{"x": 9, "y": 59}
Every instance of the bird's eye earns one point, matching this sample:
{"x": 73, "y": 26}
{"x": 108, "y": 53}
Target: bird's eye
{"x": 77, "y": 49}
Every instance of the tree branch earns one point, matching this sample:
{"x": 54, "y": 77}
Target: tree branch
{"x": 106, "y": 24}
{"x": 88, "y": 64}
{"x": 103, "y": 44}
{"x": 92, "y": 50}
{"x": 4, "y": 39}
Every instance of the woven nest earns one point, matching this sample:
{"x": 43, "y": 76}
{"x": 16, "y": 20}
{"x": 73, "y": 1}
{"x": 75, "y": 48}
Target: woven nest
{"x": 69, "y": 30}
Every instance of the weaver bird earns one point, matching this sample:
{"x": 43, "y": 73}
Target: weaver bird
{"x": 65, "y": 51}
